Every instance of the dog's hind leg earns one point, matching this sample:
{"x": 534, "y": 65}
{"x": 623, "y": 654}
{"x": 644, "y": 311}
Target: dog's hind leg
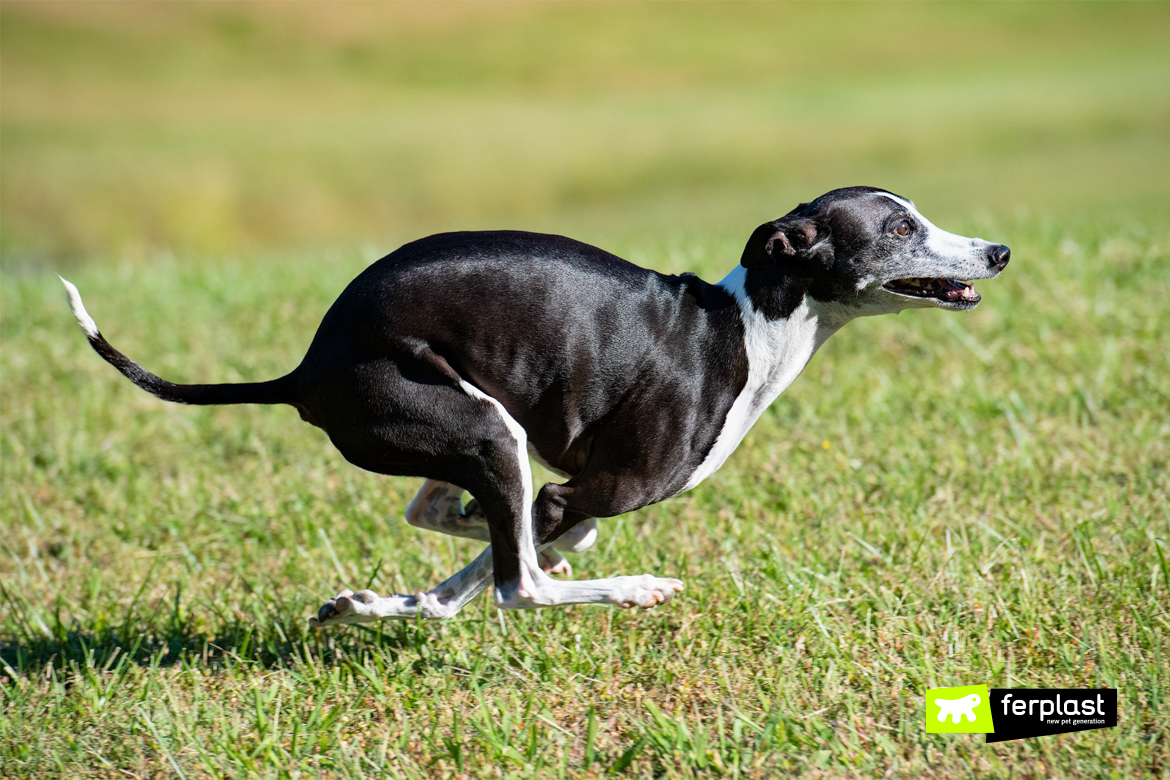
{"x": 578, "y": 538}
{"x": 394, "y": 416}
{"x": 438, "y": 506}
{"x": 405, "y": 416}
{"x": 384, "y": 419}
{"x": 440, "y": 602}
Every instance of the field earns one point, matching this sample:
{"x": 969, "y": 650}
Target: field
{"x": 940, "y": 499}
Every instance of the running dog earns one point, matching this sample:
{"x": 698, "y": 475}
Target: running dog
{"x": 460, "y": 355}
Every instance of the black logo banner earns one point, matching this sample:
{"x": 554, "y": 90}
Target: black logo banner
{"x": 1035, "y": 712}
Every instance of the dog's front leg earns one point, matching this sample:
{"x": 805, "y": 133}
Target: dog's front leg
{"x": 521, "y": 584}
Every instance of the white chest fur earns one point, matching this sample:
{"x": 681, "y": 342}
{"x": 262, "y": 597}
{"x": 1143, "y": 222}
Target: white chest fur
{"x": 777, "y": 351}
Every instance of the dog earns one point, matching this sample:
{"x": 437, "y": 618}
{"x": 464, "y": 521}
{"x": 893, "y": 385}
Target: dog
{"x": 460, "y": 355}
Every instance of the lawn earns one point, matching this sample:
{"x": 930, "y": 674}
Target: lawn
{"x": 940, "y": 499}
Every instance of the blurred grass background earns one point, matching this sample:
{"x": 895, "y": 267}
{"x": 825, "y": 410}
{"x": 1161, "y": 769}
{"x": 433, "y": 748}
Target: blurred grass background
{"x": 939, "y": 500}
{"x": 232, "y": 129}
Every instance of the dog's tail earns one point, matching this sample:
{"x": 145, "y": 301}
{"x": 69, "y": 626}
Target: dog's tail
{"x": 278, "y": 391}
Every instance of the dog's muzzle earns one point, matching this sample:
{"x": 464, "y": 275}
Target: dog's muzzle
{"x": 952, "y": 293}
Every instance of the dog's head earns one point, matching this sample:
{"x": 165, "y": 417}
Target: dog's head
{"x": 868, "y": 252}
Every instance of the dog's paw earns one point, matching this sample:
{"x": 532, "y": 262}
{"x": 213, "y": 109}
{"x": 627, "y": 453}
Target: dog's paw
{"x": 552, "y": 562}
{"x": 345, "y": 607}
{"x": 647, "y": 591}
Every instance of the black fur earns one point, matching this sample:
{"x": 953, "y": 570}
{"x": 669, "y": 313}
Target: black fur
{"x": 277, "y": 391}
{"x": 784, "y": 259}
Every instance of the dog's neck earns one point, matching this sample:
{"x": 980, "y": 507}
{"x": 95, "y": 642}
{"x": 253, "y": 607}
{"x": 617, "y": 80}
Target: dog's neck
{"x": 778, "y": 348}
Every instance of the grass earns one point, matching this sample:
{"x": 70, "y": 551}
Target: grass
{"x": 939, "y": 500}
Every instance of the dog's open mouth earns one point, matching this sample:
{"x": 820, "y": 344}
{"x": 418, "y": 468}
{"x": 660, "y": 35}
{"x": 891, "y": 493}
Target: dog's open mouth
{"x": 949, "y": 292}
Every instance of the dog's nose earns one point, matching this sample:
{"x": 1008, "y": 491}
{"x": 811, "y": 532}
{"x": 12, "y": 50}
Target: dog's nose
{"x": 998, "y": 256}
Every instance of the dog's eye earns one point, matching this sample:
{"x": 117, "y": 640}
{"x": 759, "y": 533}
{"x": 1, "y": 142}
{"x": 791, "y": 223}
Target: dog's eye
{"x": 903, "y": 228}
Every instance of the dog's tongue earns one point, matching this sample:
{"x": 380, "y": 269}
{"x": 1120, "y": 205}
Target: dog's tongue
{"x": 958, "y": 291}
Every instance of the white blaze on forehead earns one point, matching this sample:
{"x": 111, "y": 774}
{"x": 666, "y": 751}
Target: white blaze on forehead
{"x": 901, "y": 202}
{"x": 937, "y": 240}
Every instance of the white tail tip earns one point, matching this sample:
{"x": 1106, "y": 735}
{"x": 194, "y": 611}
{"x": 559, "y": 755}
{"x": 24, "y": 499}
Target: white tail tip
{"x": 83, "y": 319}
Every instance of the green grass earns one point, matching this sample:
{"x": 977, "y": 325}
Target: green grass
{"x": 939, "y": 500}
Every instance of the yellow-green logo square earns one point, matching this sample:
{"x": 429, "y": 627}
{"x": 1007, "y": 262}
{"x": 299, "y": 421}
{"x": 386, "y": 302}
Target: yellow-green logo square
{"x": 962, "y": 710}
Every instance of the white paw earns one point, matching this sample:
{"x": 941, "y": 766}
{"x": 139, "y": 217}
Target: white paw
{"x": 346, "y": 607}
{"x": 552, "y": 562}
{"x": 646, "y": 591}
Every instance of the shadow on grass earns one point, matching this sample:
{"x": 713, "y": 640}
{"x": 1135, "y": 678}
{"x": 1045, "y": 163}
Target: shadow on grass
{"x": 32, "y": 645}
{"x": 238, "y": 645}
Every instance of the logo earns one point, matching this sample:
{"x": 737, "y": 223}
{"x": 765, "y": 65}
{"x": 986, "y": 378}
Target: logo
{"x": 1037, "y": 712}
{"x": 962, "y": 710}
{"x": 1018, "y": 713}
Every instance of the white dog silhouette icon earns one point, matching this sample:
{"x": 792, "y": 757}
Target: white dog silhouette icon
{"x": 958, "y": 708}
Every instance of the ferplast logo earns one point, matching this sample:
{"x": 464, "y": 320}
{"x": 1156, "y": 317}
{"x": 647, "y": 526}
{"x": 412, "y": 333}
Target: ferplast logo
{"x": 962, "y": 710}
{"x": 1019, "y": 713}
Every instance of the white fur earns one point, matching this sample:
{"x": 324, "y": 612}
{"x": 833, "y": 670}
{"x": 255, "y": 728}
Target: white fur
{"x": 438, "y": 506}
{"x": 520, "y": 436}
{"x": 578, "y": 538}
{"x": 439, "y": 603}
{"x": 78, "y": 308}
{"x": 939, "y": 241}
{"x": 777, "y": 351}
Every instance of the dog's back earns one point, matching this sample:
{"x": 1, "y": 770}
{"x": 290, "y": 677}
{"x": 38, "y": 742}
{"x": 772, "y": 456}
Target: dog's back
{"x": 556, "y": 330}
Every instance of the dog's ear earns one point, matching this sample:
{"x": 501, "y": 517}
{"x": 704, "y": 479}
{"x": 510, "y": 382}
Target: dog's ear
{"x": 799, "y": 243}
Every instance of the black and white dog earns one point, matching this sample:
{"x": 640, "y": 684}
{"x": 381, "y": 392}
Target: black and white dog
{"x": 458, "y": 356}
